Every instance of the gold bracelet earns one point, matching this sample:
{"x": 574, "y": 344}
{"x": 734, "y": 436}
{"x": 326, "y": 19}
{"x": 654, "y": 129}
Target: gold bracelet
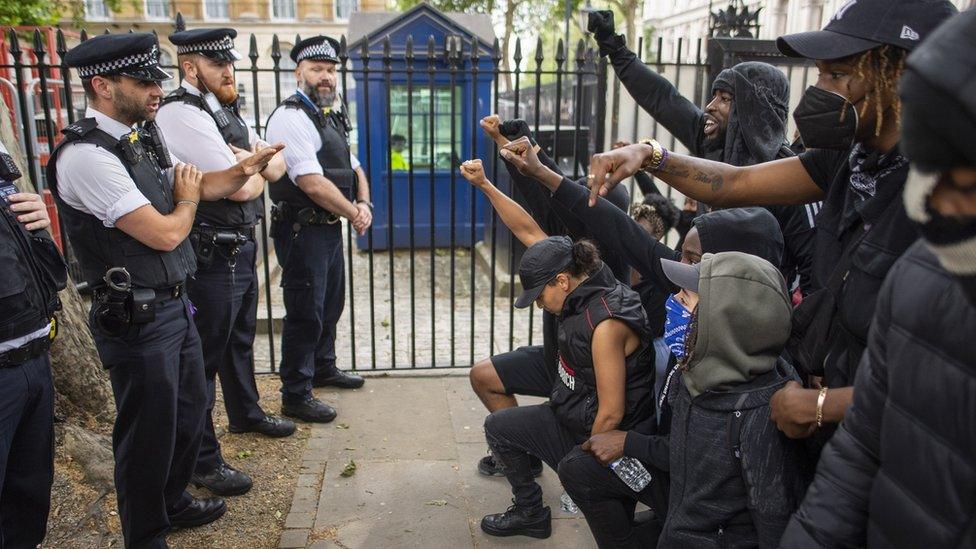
{"x": 656, "y": 160}
{"x": 195, "y": 204}
{"x": 820, "y": 402}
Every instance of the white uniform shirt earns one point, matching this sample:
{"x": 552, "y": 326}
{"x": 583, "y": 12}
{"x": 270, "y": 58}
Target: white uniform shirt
{"x": 301, "y": 138}
{"x": 192, "y": 135}
{"x": 92, "y": 180}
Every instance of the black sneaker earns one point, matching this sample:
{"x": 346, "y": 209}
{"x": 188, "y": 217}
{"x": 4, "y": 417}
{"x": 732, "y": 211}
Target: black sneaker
{"x": 198, "y": 513}
{"x": 490, "y": 467}
{"x": 224, "y": 481}
{"x": 339, "y": 379}
{"x": 311, "y": 410}
{"x": 535, "y": 523}
{"x": 270, "y": 426}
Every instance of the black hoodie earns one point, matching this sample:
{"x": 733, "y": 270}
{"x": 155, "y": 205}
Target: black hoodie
{"x": 756, "y": 133}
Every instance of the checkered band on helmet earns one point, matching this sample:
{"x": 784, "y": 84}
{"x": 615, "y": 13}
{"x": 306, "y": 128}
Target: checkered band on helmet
{"x": 323, "y": 50}
{"x": 224, "y": 44}
{"x": 138, "y": 61}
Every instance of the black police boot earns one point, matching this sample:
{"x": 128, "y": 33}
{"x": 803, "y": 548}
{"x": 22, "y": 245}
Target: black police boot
{"x": 535, "y": 523}
{"x": 224, "y": 480}
{"x": 270, "y": 426}
{"x": 491, "y": 467}
{"x": 339, "y": 379}
{"x": 198, "y": 513}
{"x": 311, "y": 410}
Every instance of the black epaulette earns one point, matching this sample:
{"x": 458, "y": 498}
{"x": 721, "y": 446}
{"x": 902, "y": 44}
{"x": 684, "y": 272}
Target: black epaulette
{"x": 295, "y": 102}
{"x": 80, "y": 128}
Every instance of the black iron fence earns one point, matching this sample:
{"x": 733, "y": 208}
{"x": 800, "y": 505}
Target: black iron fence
{"x": 432, "y": 283}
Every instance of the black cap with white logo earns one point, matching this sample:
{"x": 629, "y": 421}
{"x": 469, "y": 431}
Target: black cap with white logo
{"x": 861, "y": 25}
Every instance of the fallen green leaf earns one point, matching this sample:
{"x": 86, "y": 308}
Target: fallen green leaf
{"x": 243, "y": 454}
{"x": 385, "y": 323}
{"x": 349, "y": 470}
{"x": 341, "y": 426}
{"x": 277, "y": 514}
{"x": 350, "y": 448}
{"x": 437, "y": 502}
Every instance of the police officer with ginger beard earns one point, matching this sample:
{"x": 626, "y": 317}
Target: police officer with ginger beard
{"x": 201, "y": 122}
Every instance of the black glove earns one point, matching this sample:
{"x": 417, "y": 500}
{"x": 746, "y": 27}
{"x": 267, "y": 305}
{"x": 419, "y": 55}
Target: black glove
{"x": 600, "y": 23}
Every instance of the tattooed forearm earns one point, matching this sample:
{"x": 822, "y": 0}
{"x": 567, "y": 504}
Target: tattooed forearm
{"x": 713, "y": 180}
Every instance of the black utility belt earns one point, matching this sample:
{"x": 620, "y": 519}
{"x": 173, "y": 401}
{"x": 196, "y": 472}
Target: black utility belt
{"x": 306, "y": 216}
{"x": 146, "y": 295}
{"x": 225, "y": 236}
{"x": 28, "y": 351}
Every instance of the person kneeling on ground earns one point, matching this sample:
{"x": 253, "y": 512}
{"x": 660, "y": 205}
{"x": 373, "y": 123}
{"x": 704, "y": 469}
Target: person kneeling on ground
{"x": 604, "y": 374}
{"x": 727, "y": 457}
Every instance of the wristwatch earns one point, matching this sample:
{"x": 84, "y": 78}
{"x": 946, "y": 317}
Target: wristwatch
{"x": 658, "y": 157}
{"x": 367, "y": 203}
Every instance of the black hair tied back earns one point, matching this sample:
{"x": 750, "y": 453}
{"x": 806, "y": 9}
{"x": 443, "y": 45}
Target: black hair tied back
{"x": 586, "y": 258}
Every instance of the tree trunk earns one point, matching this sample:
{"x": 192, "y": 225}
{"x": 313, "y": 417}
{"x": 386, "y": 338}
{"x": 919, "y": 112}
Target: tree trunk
{"x": 510, "y": 7}
{"x": 83, "y": 391}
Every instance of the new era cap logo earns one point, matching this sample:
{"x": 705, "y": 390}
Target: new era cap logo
{"x": 907, "y": 33}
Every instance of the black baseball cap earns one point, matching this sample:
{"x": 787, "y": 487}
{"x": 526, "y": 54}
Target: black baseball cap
{"x": 540, "y": 263}
{"x": 861, "y": 25}
{"x": 684, "y": 275}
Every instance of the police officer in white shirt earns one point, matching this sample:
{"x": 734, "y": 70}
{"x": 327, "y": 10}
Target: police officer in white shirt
{"x": 201, "y": 123}
{"x": 127, "y": 206}
{"x": 319, "y": 188}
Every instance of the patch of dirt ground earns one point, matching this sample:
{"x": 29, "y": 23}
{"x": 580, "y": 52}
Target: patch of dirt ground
{"x": 83, "y": 518}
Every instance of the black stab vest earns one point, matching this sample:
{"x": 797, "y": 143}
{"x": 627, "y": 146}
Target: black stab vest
{"x": 333, "y": 156}
{"x": 223, "y": 213}
{"x": 32, "y": 272}
{"x": 99, "y": 248}
{"x": 574, "y": 397}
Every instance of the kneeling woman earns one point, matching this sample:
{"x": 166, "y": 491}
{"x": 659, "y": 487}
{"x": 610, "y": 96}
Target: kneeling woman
{"x": 604, "y": 371}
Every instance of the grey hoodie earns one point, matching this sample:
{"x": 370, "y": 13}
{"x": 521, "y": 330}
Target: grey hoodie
{"x": 743, "y": 321}
{"x": 735, "y": 478}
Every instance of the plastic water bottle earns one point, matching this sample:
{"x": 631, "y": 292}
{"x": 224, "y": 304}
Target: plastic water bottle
{"x": 567, "y": 504}
{"x": 632, "y": 472}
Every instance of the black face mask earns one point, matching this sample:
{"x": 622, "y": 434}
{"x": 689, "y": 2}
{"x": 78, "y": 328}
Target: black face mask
{"x": 826, "y": 120}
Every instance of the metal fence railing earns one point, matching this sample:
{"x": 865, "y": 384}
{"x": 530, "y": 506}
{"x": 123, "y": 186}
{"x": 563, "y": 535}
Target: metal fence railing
{"x": 432, "y": 283}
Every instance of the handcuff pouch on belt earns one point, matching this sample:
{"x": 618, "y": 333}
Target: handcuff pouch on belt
{"x": 118, "y": 305}
{"x": 205, "y": 241}
{"x": 302, "y": 217}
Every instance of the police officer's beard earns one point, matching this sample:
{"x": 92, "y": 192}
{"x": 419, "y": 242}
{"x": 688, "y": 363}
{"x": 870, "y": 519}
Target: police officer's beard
{"x": 322, "y": 100}
{"x": 131, "y": 110}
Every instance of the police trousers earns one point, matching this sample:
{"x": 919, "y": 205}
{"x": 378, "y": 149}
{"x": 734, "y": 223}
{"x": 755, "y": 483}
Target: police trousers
{"x": 157, "y": 376}
{"x": 26, "y": 451}
{"x": 225, "y": 296}
{"x": 313, "y": 285}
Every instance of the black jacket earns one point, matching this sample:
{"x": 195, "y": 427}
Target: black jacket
{"x": 901, "y": 469}
{"x": 686, "y": 122}
{"x": 735, "y": 479}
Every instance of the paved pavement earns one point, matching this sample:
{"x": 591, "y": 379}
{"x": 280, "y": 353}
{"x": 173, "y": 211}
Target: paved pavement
{"x": 415, "y": 441}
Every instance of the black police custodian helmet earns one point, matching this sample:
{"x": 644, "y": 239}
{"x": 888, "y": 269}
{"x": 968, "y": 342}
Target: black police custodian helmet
{"x": 135, "y": 55}
{"x": 316, "y": 48}
{"x": 861, "y": 25}
{"x": 217, "y": 44}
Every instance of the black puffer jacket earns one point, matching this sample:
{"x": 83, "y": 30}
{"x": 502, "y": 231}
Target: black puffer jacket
{"x": 901, "y": 469}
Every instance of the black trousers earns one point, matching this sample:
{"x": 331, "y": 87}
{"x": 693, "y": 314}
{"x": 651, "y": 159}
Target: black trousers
{"x": 313, "y": 285}
{"x": 225, "y": 295}
{"x": 26, "y": 451}
{"x": 157, "y": 376}
{"x": 607, "y": 503}
{"x": 516, "y": 434}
